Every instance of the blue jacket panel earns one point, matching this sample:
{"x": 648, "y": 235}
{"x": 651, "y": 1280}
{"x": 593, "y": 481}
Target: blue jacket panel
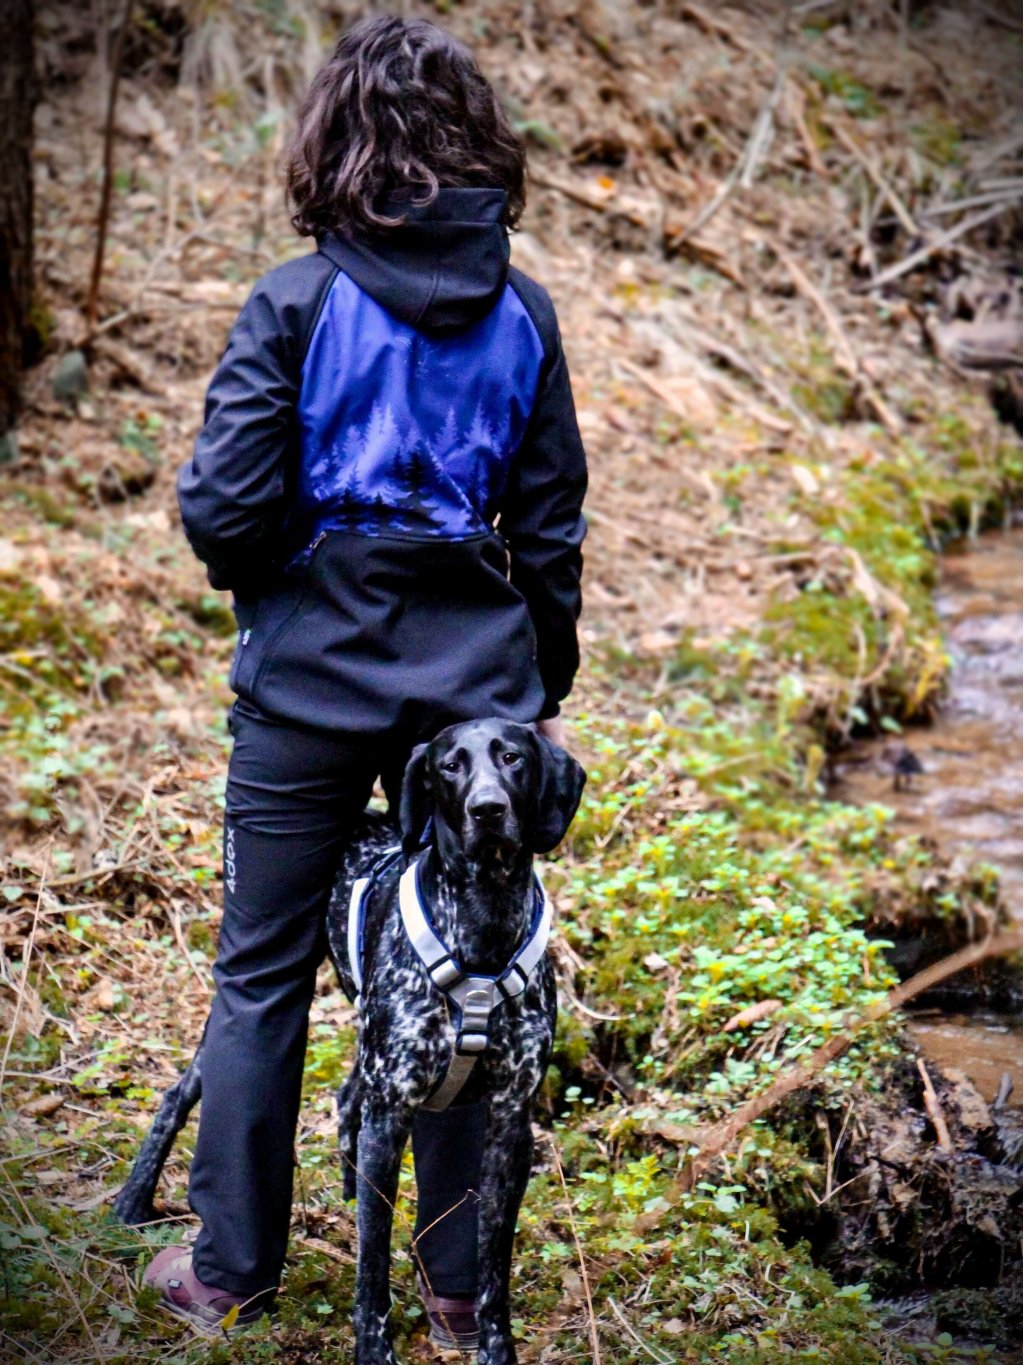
{"x": 407, "y": 433}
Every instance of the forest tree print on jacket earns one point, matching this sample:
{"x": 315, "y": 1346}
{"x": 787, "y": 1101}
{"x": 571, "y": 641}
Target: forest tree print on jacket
{"x": 419, "y": 438}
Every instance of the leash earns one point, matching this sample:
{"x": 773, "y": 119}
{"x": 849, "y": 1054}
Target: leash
{"x": 471, "y": 999}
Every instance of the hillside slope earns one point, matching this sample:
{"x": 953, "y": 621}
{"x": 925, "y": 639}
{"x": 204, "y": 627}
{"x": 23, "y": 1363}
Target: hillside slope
{"x": 778, "y": 450}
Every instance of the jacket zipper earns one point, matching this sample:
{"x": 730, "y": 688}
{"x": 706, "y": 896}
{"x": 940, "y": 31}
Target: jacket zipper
{"x": 268, "y": 648}
{"x": 247, "y": 633}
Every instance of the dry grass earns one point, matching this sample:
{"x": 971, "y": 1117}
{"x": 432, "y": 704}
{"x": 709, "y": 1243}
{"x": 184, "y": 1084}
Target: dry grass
{"x": 726, "y": 379}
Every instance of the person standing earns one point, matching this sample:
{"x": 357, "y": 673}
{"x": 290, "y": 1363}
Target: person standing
{"x": 389, "y": 480}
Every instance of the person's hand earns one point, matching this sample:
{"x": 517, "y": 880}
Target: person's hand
{"x": 553, "y": 729}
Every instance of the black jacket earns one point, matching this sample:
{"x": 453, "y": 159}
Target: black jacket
{"x": 381, "y": 407}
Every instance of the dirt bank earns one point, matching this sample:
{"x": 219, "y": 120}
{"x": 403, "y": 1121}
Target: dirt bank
{"x": 779, "y": 447}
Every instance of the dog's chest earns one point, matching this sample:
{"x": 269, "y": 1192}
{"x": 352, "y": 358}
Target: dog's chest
{"x": 408, "y": 1032}
{"x": 408, "y": 1035}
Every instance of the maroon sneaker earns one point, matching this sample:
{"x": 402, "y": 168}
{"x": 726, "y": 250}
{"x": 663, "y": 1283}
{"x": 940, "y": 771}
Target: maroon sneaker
{"x": 453, "y": 1324}
{"x": 210, "y": 1311}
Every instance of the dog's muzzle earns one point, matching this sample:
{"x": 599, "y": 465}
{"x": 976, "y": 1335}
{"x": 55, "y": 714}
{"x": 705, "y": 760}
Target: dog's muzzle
{"x": 490, "y": 824}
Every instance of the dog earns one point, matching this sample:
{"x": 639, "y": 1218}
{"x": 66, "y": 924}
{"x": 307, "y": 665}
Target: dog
{"x": 477, "y": 803}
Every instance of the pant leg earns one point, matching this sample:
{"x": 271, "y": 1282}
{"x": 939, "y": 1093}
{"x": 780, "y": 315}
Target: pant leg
{"x": 292, "y": 796}
{"x": 447, "y": 1149}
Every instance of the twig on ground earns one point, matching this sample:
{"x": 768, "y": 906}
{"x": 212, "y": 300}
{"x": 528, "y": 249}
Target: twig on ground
{"x": 1012, "y": 195}
{"x": 934, "y": 1109}
{"x": 595, "y": 1345}
{"x": 26, "y": 962}
{"x": 862, "y": 158}
{"x": 718, "y": 1139}
{"x": 662, "y": 1360}
{"x": 179, "y": 938}
{"x": 742, "y": 173}
{"x": 589, "y": 201}
{"x": 738, "y": 361}
{"x": 895, "y": 272}
{"x": 845, "y": 354}
{"x": 730, "y": 390}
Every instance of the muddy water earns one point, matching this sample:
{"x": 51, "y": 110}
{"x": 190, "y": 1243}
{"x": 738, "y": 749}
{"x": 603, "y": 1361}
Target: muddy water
{"x": 968, "y": 800}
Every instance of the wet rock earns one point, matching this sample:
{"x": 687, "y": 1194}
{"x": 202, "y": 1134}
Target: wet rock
{"x": 71, "y": 377}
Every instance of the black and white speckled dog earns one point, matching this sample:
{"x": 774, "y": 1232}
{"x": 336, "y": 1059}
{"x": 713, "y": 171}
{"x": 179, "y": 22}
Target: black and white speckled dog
{"x": 492, "y": 794}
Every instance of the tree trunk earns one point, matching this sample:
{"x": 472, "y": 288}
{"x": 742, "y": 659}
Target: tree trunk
{"x": 17, "y": 100}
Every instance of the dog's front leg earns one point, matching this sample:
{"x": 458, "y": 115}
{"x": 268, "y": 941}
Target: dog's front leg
{"x": 504, "y": 1172}
{"x": 382, "y": 1136}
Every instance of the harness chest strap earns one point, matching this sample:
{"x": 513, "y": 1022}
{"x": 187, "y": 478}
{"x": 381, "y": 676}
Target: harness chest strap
{"x": 475, "y": 998}
{"x": 355, "y": 934}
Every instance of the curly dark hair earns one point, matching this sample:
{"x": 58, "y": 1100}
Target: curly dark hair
{"x": 399, "y": 105}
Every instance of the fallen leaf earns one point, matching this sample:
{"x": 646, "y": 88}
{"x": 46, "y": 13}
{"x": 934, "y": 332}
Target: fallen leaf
{"x": 92, "y": 1201}
{"x": 656, "y": 642}
{"x": 654, "y": 962}
{"x": 103, "y": 997}
{"x": 804, "y": 479}
{"x": 230, "y": 1317}
{"x": 673, "y": 1327}
{"x": 761, "y": 1010}
{"x": 671, "y": 1131}
{"x": 157, "y": 521}
{"x": 10, "y": 557}
{"x": 49, "y": 588}
{"x": 43, "y": 1104}
{"x": 181, "y": 722}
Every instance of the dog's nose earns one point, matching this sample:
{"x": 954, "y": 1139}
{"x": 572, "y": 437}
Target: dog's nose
{"x": 488, "y": 812}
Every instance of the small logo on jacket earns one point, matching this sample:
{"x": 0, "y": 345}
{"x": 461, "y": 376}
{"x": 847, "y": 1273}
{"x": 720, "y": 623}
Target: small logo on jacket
{"x": 229, "y": 859}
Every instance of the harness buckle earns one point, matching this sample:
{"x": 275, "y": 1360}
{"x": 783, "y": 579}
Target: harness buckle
{"x": 445, "y": 973}
{"x": 471, "y": 1042}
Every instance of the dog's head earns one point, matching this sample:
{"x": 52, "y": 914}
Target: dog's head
{"x": 493, "y": 787}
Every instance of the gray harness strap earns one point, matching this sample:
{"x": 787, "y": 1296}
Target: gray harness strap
{"x": 474, "y": 998}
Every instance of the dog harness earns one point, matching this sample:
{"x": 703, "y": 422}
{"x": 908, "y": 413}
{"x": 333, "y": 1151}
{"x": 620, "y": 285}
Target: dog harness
{"x": 471, "y": 1000}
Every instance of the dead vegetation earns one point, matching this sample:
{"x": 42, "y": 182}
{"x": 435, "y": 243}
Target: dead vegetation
{"x": 781, "y": 239}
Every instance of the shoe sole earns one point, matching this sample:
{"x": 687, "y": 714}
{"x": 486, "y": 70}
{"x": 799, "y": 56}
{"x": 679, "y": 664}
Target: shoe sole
{"x": 211, "y": 1330}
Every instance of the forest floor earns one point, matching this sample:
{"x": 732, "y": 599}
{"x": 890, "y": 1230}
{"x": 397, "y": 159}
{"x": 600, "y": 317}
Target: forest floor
{"x": 761, "y": 238}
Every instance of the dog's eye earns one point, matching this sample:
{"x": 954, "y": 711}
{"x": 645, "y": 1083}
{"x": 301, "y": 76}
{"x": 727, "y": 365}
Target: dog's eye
{"x": 509, "y": 759}
{"x": 452, "y": 766}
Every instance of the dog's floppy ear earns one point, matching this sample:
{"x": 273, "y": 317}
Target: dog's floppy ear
{"x": 558, "y": 795}
{"x": 417, "y": 802}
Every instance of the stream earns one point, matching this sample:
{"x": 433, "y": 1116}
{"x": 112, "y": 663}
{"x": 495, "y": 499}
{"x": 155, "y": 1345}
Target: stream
{"x": 968, "y": 800}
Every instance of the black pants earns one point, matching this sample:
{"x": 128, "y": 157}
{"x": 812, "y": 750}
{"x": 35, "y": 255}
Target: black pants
{"x": 292, "y": 796}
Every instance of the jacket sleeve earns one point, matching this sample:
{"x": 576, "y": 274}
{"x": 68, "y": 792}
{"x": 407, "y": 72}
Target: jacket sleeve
{"x": 234, "y": 492}
{"x": 542, "y": 524}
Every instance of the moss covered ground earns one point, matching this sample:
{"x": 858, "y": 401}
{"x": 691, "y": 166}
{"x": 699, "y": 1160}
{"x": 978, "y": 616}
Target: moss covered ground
{"x": 761, "y": 564}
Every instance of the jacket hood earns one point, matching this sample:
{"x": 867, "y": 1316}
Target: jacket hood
{"x": 443, "y": 269}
